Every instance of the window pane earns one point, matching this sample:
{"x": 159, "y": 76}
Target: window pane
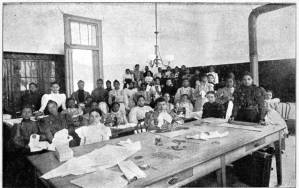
{"x": 84, "y": 34}
{"x": 31, "y": 68}
{"x": 89, "y": 34}
{"x": 52, "y": 69}
{"x": 93, "y": 35}
{"x": 75, "y": 34}
{"x": 26, "y": 81}
{"x": 83, "y": 68}
{"x": 22, "y": 70}
{"x": 23, "y": 84}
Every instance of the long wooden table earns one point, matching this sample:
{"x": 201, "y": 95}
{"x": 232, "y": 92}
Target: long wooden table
{"x": 197, "y": 159}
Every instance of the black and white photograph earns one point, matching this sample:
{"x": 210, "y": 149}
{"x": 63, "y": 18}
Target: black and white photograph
{"x": 148, "y": 94}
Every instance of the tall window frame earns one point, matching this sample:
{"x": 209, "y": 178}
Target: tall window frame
{"x": 97, "y": 49}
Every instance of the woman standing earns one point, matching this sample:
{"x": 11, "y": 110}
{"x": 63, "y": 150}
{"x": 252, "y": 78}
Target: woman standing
{"x": 117, "y": 95}
{"x": 248, "y": 101}
{"x": 59, "y": 98}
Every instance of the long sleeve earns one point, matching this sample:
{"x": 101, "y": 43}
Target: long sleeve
{"x": 45, "y": 131}
{"x": 133, "y": 116}
{"x": 236, "y": 104}
{"x": 260, "y": 102}
{"x": 110, "y": 97}
{"x": 63, "y": 101}
{"x": 204, "y": 111}
{"x": 44, "y": 102}
{"x": 222, "y": 111}
{"x": 177, "y": 95}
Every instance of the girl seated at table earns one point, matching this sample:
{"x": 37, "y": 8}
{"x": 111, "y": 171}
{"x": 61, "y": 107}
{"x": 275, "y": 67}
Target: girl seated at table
{"x": 55, "y": 122}
{"x": 75, "y": 112}
{"x": 115, "y": 117}
{"x": 272, "y": 115}
{"x": 160, "y": 119}
{"x": 184, "y": 107}
{"x": 169, "y": 105}
{"x": 72, "y": 109}
{"x": 25, "y": 129}
{"x": 212, "y": 108}
{"x": 95, "y": 131}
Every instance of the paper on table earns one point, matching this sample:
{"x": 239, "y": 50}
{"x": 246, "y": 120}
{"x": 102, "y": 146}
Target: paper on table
{"x": 214, "y": 120}
{"x": 173, "y": 134}
{"x": 131, "y": 170}
{"x": 207, "y": 135}
{"x": 128, "y": 125}
{"x": 102, "y": 158}
{"x": 239, "y": 127}
{"x": 101, "y": 179}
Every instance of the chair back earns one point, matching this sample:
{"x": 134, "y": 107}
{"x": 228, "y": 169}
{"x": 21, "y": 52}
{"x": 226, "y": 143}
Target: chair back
{"x": 284, "y": 110}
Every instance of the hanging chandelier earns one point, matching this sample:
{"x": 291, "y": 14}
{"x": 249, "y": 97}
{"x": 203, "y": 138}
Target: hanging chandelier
{"x": 156, "y": 59}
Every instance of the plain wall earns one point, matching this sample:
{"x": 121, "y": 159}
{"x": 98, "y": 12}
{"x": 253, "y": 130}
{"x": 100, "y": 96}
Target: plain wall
{"x": 196, "y": 34}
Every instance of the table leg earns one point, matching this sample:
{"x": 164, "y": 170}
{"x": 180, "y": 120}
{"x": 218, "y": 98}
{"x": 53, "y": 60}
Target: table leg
{"x": 277, "y": 145}
{"x": 35, "y": 178}
{"x": 221, "y": 173}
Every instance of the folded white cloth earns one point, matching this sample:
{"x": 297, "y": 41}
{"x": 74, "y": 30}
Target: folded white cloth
{"x": 36, "y": 145}
{"x": 131, "y": 170}
{"x": 207, "y": 135}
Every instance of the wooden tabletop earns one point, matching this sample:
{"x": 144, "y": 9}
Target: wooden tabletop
{"x": 164, "y": 160}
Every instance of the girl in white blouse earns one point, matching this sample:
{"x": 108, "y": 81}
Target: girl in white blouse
{"x": 95, "y": 131}
{"x": 59, "y": 98}
{"x": 118, "y": 95}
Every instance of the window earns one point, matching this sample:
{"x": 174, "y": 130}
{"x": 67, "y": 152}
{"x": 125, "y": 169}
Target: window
{"x": 29, "y": 72}
{"x": 20, "y": 69}
{"x": 83, "y": 51}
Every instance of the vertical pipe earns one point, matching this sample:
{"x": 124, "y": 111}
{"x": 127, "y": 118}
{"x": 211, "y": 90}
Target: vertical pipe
{"x": 252, "y": 19}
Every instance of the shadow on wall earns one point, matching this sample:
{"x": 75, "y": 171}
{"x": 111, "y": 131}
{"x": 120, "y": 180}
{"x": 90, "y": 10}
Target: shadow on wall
{"x": 277, "y": 75}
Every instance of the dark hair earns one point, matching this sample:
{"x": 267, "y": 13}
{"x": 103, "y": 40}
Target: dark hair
{"x": 80, "y": 81}
{"x": 53, "y": 83}
{"x": 269, "y": 90}
{"x": 116, "y": 81}
{"x": 108, "y": 81}
{"x": 185, "y": 79}
{"x": 160, "y": 99}
{"x": 115, "y": 103}
{"x": 27, "y": 106}
{"x": 88, "y": 97}
{"x": 246, "y": 73}
{"x": 136, "y": 65}
{"x": 140, "y": 96}
{"x": 210, "y": 75}
{"x": 51, "y": 102}
{"x": 157, "y": 78}
{"x": 69, "y": 99}
{"x": 210, "y": 92}
{"x": 32, "y": 83}
{"x": 94, "y": 101}
{"x": 204, "y": 75}
{"x": 96, "y": 110}
{"x": 142, "y": 84}
{"x": 185, "y": 95}
{"x": 100, "y": 79}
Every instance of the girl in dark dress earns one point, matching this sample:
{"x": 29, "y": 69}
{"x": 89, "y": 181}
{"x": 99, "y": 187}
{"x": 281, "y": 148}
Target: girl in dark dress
{"x": 248, "y": 102}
